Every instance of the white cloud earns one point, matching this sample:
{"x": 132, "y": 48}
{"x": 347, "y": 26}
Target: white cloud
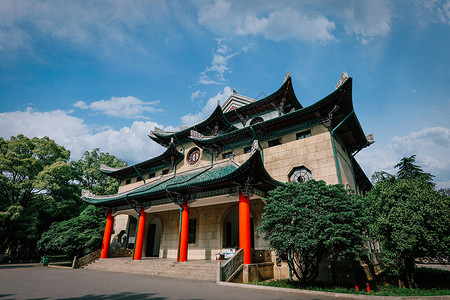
{"x": 125, "y": 107}
{"x": 437, "y": 11}
{"x": 299, "y": 20}
{"x": 190, "y": 119}
{"x": 367, "y": 19}
{"x": 131, "y": 144}
{"x": 81, "y": 104}
{"x": 197, "y": 94}
{"x": 430, "y": 145}
{"x": 272, "y": 21}
{"x": 83, "y": 24}
{"x": 288, "y": 23}
{"x": 215, "y": 74}
{"x": 427, "y": 137}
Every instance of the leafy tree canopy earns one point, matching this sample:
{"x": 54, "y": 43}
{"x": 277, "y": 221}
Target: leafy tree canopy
{"x": 88, "y": 168}
{"x": 39, "y": 186}
{"x": 310, "y": 221}
{"x": 78, "y": 236}
{"x": 35, "y": 189}
{"x": 409, "y": 218}
{"x": 407, "y": 168}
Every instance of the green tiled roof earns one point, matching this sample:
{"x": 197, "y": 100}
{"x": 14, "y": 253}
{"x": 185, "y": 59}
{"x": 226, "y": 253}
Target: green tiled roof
{"x": 221, "y": 175}
{"x": 174, "y": 182}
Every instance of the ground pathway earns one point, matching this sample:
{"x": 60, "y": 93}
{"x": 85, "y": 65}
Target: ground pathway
{"x": 37, "y": 282}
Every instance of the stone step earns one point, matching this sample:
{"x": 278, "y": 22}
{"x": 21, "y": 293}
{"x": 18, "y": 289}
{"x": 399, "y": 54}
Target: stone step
{"x": 202, "y": 270}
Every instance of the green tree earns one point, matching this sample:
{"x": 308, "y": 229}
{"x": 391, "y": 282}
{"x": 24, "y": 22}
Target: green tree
{"x": 83, "y": 234}
{"x": 310, "y": 221}
{"x": 78, "y": 236}
{"x": 407, "y": 168}
{"x": 36, "y": 188}
{"x": 409, "y": 218}
{"x": 90, "y": 177}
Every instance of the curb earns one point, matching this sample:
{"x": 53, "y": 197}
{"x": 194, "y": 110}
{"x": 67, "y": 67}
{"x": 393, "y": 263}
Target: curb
{"x": 327, "y": 294}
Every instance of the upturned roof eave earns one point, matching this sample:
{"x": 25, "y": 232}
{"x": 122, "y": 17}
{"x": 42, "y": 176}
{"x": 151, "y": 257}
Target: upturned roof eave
{"x": 342, "y": 96}
{"x": 162, "y": 158}
{"x": 253, "y": 168}
{"x": 217, "y": 115}
{"x": 287, "y": 87}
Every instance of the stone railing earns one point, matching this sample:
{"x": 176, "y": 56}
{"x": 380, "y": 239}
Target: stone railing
{"x": 78, "y": 263}
{"x": 85, "y": 260}
{"x": 232, "y": 266}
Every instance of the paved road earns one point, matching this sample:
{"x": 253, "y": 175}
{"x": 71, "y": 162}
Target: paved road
{"x": 37, "y": 282}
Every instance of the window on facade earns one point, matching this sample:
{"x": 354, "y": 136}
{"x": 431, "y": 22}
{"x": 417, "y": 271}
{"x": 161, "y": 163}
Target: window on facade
{"x": 128, "y": 181}
{"x": 275, "y": 142}
{"x": 192, "y": 231}
{"x": 138, "y": 179}
{"x": 227, "y": 155}
{"x": 248, "y": 149}
{"x": 300, "y": 174}
{"x": 303, "y": 134}
{"x": 166, "y": 171}
{"x": 151, "y": 175}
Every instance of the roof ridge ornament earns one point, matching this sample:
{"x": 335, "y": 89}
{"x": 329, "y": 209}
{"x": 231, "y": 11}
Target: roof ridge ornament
{"x": 287, "y": 76}
{"x": 87, "y": 194}
{"x": 342, "y": 79}
{"x": 254, "y": 147}
{"x": 158, "y": 130}
{"x": 196, "y": 134}
{"x": 108, "y": 168}
{"x": 216, "y": 130}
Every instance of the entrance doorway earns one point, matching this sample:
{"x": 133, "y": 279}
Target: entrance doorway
{"x": 231, "y": 230}
{"x": 153, "y": 238}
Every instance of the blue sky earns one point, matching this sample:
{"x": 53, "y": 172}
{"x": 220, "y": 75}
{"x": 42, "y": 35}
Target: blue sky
{"x": 103, "y": 74}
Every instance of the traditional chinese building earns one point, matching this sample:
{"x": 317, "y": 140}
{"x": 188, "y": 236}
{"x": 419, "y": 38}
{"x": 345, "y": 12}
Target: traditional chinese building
{"x": 206, "y": 192}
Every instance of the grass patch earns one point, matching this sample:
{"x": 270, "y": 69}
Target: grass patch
{"x": 378, "y": 291}
{"x": 432, "y": 282}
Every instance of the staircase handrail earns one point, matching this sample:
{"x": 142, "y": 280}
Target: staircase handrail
{"x": 85, "y": 260}
{"x": 228, "y": 270}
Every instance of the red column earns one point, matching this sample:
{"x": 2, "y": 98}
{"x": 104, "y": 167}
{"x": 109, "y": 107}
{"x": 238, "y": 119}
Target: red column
{"x": 140, "y": 235}
{"x": 183, "y": 250}
{"x": 244, "y": 227}
{"x": 107, "y": 234}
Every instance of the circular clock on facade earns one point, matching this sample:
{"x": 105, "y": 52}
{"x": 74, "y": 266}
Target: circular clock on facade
{"x": 300, "y": 175}
{"x": 194, "y": 156}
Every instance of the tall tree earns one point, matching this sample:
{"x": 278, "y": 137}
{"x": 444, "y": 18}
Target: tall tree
{"x": 88, "y": 169}
{"x": 310, "y": 221}
{"x": 83, "y": 234}
{"x": 407, "y": 168}
{"x": 32, "y": 174}
{"x": 409, "y": 218}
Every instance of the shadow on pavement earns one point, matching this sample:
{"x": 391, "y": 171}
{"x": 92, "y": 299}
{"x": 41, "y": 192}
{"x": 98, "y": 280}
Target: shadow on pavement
{"x": 5, "y": 295}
